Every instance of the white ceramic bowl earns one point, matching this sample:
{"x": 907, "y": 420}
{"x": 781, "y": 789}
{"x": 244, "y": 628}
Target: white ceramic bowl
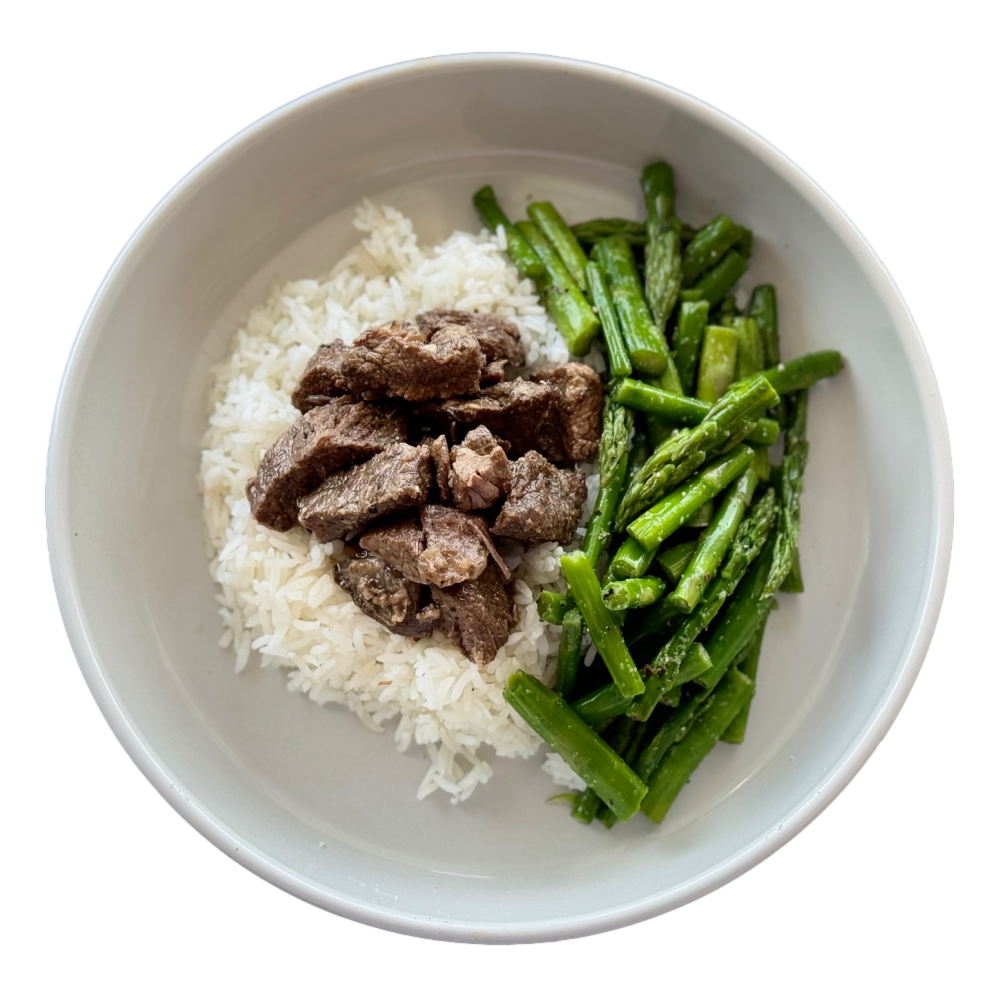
{"x": 270, "y": 777}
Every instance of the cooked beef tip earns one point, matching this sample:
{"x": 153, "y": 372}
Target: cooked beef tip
{"x": 402, "y": 362}
{"x": 480, "y": 472}
{"x": 441, "y": 460}
{"x": 577, "y": 412}
{"x": 318, "y": 384}
{"x": 511, "y": 410}
{"x": 482, "y": 442}
{"x": 499, "y": 338}
{"x": 544, "y": 502}
{"x": 445, "y": 548}
{"x": 391, "y": 481}
{"x": 386, "y": 595}
{"x": 399, "y": 544}
{"x": 458, "y": 546}
{"x": 321, "y": 441}
{"x": 477, "y": 615}
{"x": 494, "y": 372}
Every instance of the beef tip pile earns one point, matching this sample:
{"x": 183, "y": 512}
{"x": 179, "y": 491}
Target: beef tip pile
{"x": 413, "y": 446}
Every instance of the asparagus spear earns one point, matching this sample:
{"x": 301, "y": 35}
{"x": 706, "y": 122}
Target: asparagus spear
{"x": 749, "y": 347}
{"x": 638, "y": 454}
{"x": 619, "y": 362}
{"x": 646, "y": 345}
{"x": 738, "y": 727}
{"x": 802, "y": 372}
{"x": 724, "y": 313}
{"x": 570, "y": 643}
{"x": 764, "y": 309}
{"x": 586, "y": 806}
{"x": 613, "y": 453}
{"x": 793, "y": 466}
{"x": 518, "y": 248}
{"x": 566, "y": 304}
{"x": 707, "y": 247}
{"x": 687, "y": 342}
{"x": 638, "y": 592}
{"x": 702, "y": 517}
{"x": 668, "y": 666}
{"x": 675, "y": 509}
{"x": 604, "y": 631}
{"x": 659, "y": 428}
{"x": 765, "y": 431}
{"x": 607, "y": 702}
{"x": 663, "y": 244}
{"x": 596, "y": 229}
{"x": 618, "y": 617}
{"x": 742, "y": 616}
{"x": 552, "y": 607}
{"x": 585, "y": 752}
{"x": 681, "y": 409}
{"x": 652, "y": 399}
{"x": 714, "y": 543}
{"x": 649, "y": 628}
{"x": 713, "y": 285}
{"x": 661, "y": 198}
{"x": 792, "y": 584}
{"x": 682, "y": 759}
{"x": 760, "y": 463}
{"x": 601, "y": 705}
{"x": 636, "y": 741}
{"x": 631, "y": 560}
{"x": 674, "y": 729}
{"x": 544, "y": 215}
{"x": 663, "y": 276}
{"x": 674, "y": 561}
{"x": 673, "y": 698}
{"x": 619, "y": 738}
{"x": 726, "y": 423}
{"x": 718, "y": 362}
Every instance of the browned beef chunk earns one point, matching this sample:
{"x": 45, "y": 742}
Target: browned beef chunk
{"x": 321, "y": 441}
{"x": 576, "y": 428}
{"x": 386, "y": 595}
{"x": 482, "y": 442}
{"x": 544, "y": 502}
{"x": 444, "y": 548}
{"x": 458, "y": 546}
{"x": 492, "y": 374}
{"x": 477, "y": 615}
{"x": 349, "y": 500}
{"x": 513, "y": 411}
{"x": 480, "y": 471}
{"x": 399, "y": 543}
{"x": 402, "y": 362}
{"x": 318, "y": 384}
{"x": 499, "y": 338}
{"x": 441, "y": 460}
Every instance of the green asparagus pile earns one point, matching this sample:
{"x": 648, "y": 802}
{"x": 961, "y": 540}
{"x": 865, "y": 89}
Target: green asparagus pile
{"x": 694, "y": 530}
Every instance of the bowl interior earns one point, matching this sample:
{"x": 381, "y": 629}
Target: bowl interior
{"x": 306, "y": 795}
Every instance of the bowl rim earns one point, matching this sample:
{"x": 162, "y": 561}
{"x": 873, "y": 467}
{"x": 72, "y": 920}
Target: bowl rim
{"x": 201, "y": 817}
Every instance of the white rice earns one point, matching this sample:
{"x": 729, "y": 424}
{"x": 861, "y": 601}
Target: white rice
{"x": 276, "y": 589}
